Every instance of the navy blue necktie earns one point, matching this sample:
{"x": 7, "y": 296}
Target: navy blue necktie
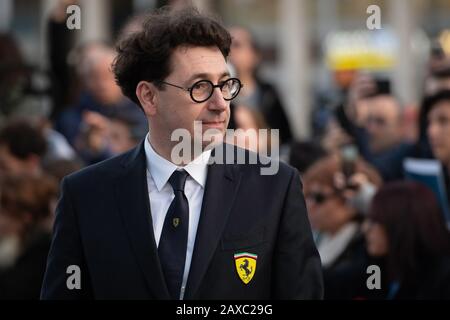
{"x": 173, "y": 242}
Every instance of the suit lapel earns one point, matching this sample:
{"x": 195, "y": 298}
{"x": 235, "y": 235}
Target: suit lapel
{"x": 133, "y": 202}
{"x": 221, "y": 187}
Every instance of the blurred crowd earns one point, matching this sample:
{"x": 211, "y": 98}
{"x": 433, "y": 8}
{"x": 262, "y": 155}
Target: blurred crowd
{"x": 362, "y": 209}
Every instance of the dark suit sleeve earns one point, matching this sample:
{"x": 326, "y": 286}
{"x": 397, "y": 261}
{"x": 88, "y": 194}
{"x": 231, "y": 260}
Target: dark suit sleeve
{"x": 297, "y": 266}
{"x": 66, "y": 250}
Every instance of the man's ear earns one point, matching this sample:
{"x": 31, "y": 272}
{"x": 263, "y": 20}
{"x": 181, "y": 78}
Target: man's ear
{"x": 147, "y": 94}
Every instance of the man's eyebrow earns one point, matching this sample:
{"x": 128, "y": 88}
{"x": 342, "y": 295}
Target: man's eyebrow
{"x": 206, "y": 75}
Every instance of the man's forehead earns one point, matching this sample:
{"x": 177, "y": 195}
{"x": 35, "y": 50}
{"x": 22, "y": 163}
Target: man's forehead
{"x": 195, "y": 51}
{"x": 384, "y": 105}
{"x": 199, "y": 60}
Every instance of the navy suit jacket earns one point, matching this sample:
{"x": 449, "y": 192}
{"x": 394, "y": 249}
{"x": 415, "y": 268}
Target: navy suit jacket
{"x": 104, "y": 226}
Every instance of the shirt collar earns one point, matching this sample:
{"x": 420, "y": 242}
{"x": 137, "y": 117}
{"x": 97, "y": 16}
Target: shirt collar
{"x": 161, "y": 169}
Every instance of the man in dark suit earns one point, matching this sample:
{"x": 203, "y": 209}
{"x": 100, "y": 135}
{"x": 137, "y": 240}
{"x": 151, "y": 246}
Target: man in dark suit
{"x": 145, "y": 225}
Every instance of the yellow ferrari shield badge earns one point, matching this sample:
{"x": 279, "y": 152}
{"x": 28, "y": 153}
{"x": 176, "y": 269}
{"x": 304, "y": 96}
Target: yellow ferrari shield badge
{"x": 245, "y": 265}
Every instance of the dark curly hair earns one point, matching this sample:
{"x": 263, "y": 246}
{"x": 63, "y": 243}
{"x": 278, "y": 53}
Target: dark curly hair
{"x": 145, "y": 54}
{"x": 23, "y": 138}
{"x": 22, "y": 195}
{"x": 415, "y": 227}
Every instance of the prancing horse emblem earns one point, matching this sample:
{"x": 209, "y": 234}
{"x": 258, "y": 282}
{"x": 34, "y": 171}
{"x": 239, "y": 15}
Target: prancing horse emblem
{"x": 245, "y": 265}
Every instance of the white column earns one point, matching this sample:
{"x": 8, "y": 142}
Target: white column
{"x": 95, "y": 20}
{"x": 327, "y": 21}
{"x": 327, "y": 17}
{"x": 6, "y": 15}
{"x": 294, "y": 77}
{"x": 405, "y": 72}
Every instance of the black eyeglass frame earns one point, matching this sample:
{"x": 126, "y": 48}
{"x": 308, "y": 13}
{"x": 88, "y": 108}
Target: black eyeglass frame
{"x": 220, "y": 85}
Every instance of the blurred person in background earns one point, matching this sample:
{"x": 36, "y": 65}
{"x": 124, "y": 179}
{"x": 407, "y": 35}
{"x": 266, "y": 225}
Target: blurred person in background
{"x": 337, "y": 222}
{"x": 22, "y": 148}
{"x": 60, "y": 168}
{"x": 406, "y": 234}
{"x": 334, "y": 137}
{"x": 248, "y": 122}
{"x": 245, "y": 57}
{"x": 20, "y": 93}
{"x": 422, "y": 148}
{"x": 102, "y": 138}
{"x": 124, "y": 132}
{"x": 346, "y": 125}
{"x": 437, "y": 80}
{"x": 438, "y": 130}
{"x": 60, "y": 42}
{"x": 13, "y": 75}
{"x": 304, "y": 154}
{"x": 372, "y": 119}
{"x": 26, "y": 218}
{"x": 57, "y": 145}
{"x": 91, "y": 141}
{"x": 20, "y": 98}
{"x": 438, "y": 77}
{"x": 28, "y": 143}
{"x": 386, "y": 144}
{"x": 101, "y": 95}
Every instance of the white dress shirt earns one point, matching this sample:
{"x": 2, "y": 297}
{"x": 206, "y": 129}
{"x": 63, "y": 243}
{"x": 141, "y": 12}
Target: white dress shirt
{"x": 161, "y": 195}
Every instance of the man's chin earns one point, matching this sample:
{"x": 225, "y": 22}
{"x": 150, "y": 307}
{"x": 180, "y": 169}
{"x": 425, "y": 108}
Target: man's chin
{"x": 212, "y": 138}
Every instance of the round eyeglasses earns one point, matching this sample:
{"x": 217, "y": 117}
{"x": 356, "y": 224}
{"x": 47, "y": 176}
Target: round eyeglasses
{"x": 202, "y": 90}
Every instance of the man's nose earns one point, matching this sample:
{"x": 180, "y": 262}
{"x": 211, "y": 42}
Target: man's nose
{"x": 217, "y": 102}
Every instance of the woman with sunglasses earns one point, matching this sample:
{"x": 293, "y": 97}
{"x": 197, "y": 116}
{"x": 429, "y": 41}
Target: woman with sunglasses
{"x": 337, "y": 223}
